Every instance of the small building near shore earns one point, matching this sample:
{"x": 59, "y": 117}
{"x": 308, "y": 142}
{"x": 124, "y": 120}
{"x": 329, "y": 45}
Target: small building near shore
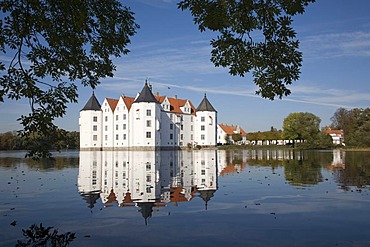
{"x": 336, "y": 135}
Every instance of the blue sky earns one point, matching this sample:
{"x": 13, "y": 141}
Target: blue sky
{"x": 173, "y": 55}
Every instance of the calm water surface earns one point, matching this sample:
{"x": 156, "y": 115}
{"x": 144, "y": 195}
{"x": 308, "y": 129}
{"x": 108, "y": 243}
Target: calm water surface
{"x": 198, "y": 198}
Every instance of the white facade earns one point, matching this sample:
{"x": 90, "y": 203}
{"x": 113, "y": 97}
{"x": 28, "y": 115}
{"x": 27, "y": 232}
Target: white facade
{"x": 205, "y": 128}
{"x": 146, "y": 122}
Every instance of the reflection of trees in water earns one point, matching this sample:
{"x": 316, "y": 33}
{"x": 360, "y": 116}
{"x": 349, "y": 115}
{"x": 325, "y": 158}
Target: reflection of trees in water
{"x": 43, "y": 164}
{"x": 302, "y": 172}
{"x": 304, "y": 167}
{"x": 356, "y": 172}
{"x": 300, "y": 167}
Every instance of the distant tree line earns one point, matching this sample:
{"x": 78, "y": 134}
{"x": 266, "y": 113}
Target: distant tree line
{"x": 271, "y": 135}
{"x": 305, "y": 128}
{"x": 12, "y": 141}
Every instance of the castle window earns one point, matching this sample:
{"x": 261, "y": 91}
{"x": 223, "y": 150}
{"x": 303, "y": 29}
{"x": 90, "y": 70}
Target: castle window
{"x": 182, "y": 137}
{"x": 203, "y": 172}
{"x": 148, "y": 123}
{"x": 106, "y": 137}
{"x": 202, "y": 137}
{"x": 202, "y": 119}
{"x": 171, "y": 126}
{"x": 94, "y": 176}
{"x": 148, "y": 112}
{"x": 202, "y": 127}
{"x": 148, "y": 166}
{"x": 171, "y": 136}
{"x": 116, "y": 137}
{"x": 106, "y": 118}
{"x": 116, "y": 126}
{"x": 124, "y": 116}
{"x": 95, "y": 137}
{"x": 95, "y": 119}
{"x": 191, "y": 127}
{"x": 148, "y": 134}
{"x": 106, "y": 127}
{"x": 124, "y": 136}
{"x": 95, "y": 128}
{"x": 191, "y": 137}
{"x": 116, "y": 117}
{"x": 191, "y": 119}
{"x": 124, "y": 126}
{"x": 182, "y": 127}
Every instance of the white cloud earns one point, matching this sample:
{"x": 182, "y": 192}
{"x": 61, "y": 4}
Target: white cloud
{"x": 336, "y": 45}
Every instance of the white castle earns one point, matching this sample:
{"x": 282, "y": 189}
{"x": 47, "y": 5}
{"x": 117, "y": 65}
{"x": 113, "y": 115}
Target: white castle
{"x": 147, "y": 122}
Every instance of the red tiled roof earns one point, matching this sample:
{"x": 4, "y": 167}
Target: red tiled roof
{"x": 111, "y": 197}
{"x": 175, "y": 104}
{"x": 112, "y": 103}
{"x": 229, "y": 129}
{"x": 231, "y": 168}
{"x": 335, "y": 132}
{"x": 128, "y": 101}
{"x": 176, "y": 195}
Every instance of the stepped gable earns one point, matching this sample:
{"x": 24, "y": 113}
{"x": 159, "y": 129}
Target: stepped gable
{"x": 92, "y": 104}
{"x": 146, "y": 95}
{"x": 205, "y": 105}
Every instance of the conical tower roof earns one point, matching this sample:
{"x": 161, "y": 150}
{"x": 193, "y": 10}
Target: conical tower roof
{"x": 92, "y": 104}
{"x": 205, "y": 105}
{"x": 146, "y": 95}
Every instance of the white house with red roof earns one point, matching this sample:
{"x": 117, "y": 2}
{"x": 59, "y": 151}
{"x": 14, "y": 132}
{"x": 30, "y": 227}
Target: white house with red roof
{"x": 146, "y": 122}
{"x": 225, "y": 134}
{"x": 336, "y": 135}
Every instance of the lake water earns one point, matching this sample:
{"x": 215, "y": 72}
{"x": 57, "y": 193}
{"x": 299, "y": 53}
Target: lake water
{"x": 198, "y": 198}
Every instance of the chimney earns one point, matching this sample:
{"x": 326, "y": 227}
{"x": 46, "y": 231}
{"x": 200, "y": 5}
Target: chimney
{"x": 156, "y": 94}
{"x": 175, "y": 96}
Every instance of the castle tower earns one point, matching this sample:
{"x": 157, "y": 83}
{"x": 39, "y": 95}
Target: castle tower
{"x": 90, "y": 122}
{"x": 206, "y": 124}
{"x": 145, "y": 118}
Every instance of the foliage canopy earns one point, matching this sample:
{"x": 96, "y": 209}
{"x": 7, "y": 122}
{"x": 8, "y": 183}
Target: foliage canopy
{"x": 53, "y": 44}
{"x": 301, "y": 126}
{"x": 254, "y": 36}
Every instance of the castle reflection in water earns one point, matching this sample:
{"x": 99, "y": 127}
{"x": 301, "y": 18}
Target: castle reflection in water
{"x": 148, "y": 179}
